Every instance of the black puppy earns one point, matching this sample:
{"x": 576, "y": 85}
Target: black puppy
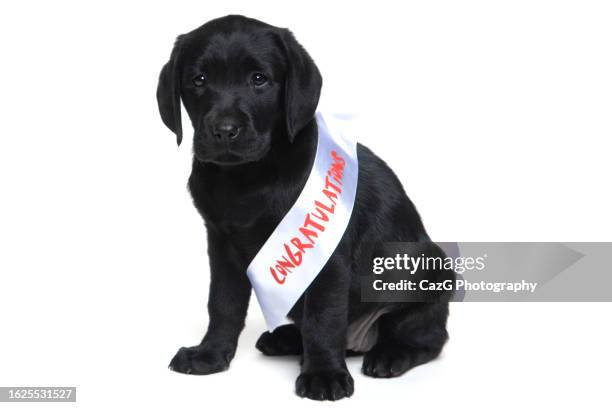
{"x": 251, "y": 92}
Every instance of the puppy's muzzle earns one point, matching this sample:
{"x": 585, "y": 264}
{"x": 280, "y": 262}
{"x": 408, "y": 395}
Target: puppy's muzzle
{"x": 226, "y": 130}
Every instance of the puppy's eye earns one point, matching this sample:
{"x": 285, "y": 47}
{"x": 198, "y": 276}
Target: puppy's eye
{"x": 259, "y": 79}
{"x": 199, "y": 80}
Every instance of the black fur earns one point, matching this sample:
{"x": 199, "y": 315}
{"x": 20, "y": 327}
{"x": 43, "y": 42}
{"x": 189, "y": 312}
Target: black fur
{"x": 253, "y": 147}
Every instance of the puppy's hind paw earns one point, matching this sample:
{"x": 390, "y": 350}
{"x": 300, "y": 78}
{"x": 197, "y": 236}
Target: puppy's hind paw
{"x": 388, "y": 360}
{"x": 283, "y": 341}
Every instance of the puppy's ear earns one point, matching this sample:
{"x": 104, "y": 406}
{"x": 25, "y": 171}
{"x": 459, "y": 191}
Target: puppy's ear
{"x": 169, "y": 94}
{"x": 302, "y": 85}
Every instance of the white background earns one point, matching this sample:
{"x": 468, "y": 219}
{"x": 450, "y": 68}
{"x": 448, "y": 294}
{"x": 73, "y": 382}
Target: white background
{"x": 495, "y": 116}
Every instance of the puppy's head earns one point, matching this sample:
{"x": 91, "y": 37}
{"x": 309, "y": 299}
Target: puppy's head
{"x": 245, "y": 85}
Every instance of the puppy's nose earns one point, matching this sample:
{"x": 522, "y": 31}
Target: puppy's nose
{"x": 226, "y": 130}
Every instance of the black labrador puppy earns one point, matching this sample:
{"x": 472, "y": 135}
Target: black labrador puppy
{"x": 251, "y": 92}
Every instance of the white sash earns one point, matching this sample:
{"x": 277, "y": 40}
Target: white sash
{"x": 305, "y": 239}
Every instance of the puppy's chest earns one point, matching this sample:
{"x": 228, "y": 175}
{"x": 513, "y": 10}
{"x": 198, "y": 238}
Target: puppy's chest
{"x": 251, "y": 213}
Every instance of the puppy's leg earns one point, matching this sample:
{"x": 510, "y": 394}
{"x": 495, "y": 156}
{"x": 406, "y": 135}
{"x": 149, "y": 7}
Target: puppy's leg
{"x": 283, "y": 341}
{"x": 324, "y": 374}
{"x": 228, "y": 301}
{"x": 407, "y": 338}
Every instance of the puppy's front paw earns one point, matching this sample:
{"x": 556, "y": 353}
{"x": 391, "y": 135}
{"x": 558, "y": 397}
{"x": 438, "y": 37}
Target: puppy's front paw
{"x": 325, "y": 385}
{"x": 199, "y": 360}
